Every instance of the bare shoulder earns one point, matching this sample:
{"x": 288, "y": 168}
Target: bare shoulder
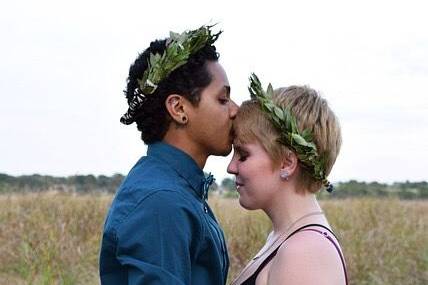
{"x": 307, "y": 258}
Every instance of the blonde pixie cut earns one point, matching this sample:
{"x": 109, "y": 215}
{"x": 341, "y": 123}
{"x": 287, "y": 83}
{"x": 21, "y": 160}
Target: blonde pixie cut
{"x": 311, "y": 112}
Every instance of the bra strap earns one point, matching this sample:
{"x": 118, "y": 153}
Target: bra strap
{"x": 325, "y": 234}
{"x": 310, "y": 225}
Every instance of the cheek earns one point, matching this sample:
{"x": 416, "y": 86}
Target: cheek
{"x": 221, "y": 114}
{"x": 255, "y": 168}
{"x": 252, "y": 178}
{"x": 258, "y": 177}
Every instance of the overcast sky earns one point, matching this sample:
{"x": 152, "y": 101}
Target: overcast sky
{"x": 63, "y": 66}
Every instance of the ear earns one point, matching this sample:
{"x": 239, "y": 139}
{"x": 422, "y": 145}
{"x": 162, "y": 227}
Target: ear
{"x": 176, "y": 106}
{"x": 289, "y": 163}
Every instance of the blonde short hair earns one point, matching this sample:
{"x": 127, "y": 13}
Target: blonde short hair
{"x": 311, "y": 112}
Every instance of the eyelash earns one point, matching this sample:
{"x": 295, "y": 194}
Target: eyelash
{"x": 223, "y": 101}
{"x": 242, "y": 157}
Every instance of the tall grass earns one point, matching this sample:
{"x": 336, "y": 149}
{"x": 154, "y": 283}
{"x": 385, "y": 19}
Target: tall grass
{"x": 384, "y": 241}
{"x": 50, "y": 239}
{"x": 54, "y": 239}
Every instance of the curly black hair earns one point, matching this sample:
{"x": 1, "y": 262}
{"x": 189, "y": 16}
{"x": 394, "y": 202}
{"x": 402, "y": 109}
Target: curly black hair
{"x": 189, "y": 80}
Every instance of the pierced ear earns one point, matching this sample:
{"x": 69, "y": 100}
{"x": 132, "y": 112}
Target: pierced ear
{"x": 175, "y": 105}
{"x": 289, "y": 163}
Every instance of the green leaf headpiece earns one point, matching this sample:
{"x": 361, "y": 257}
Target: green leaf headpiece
{"x": 179, "y": 47}
{"x": 301, "y": 142}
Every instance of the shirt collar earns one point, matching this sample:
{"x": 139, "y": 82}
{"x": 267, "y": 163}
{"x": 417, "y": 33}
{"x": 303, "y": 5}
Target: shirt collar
{"x": 182, "y": 163}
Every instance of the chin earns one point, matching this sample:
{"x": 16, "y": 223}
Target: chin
{"x": 246, "y": 205}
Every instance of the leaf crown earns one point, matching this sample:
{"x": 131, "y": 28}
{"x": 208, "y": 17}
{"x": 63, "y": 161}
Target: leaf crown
{"x": 301, "y": 142}
{"x": 179, "y": 47}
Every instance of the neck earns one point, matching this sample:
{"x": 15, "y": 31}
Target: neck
{"x": 288, "y": 207}
{"x": 183, "y": 143}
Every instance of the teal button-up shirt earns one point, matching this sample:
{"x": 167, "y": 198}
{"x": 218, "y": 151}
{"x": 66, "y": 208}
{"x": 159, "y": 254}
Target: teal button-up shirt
{"x": 159, "y": 229}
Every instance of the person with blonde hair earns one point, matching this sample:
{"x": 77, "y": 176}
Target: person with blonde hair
{"x": 286, "y": 143}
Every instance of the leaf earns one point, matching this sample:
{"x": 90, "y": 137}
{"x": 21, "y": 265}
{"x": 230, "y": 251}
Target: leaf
{"x": 269, "y": 92}
{"x": 306, "y": 134}
{"x": 300, "y": 140}
{"x": 278, "y": 112}
{"x": 174, "y": 36}
{"x": 293, "y": 121}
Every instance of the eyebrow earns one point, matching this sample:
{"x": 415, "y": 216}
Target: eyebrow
{"x": 227, "y": 87}
{"x": 238, "y": 148}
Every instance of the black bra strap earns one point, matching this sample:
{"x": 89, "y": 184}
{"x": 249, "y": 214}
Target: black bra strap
{"x": 311, "y": 225}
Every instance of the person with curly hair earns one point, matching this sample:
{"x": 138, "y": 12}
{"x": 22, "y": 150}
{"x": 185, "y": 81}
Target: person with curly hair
{"x": 286, "y": 143}
{"x": 159, "y": 228}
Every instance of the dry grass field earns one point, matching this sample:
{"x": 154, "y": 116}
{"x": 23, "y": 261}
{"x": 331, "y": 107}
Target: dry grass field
{"x": 54, "y": 238}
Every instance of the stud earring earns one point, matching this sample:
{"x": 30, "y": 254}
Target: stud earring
{"x": 284, "y": 174}
{"x": 184, "y": 119}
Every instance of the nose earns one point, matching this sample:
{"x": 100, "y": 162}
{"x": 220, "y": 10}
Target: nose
{"x": 232, "y": 168}
{"x": 233, "y": 109}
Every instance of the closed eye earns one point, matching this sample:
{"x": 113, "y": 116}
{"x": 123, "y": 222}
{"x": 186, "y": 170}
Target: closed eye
{"x": 243, "y": 158}
{"x": 223, "y": 101}
{"x": 240, "y": 152}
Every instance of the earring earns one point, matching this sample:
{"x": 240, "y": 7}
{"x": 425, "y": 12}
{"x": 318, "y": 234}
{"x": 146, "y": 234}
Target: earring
{"x": 284, "y": 174}
{"x": 184, "y": 119}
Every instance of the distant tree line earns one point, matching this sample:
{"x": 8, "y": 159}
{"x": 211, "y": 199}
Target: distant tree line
{"x": 75, "y": 183}
{"x": 226, "y": 188}
{"x": 403, "y": 190}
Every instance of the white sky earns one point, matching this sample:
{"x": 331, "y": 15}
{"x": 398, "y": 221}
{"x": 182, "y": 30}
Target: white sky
{"x": 63, "y": 66}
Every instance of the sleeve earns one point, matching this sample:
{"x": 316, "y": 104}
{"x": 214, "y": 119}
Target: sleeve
{"x": 158, "y": 240}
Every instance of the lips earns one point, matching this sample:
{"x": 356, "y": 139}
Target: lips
{"x": 238, "y": 185}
